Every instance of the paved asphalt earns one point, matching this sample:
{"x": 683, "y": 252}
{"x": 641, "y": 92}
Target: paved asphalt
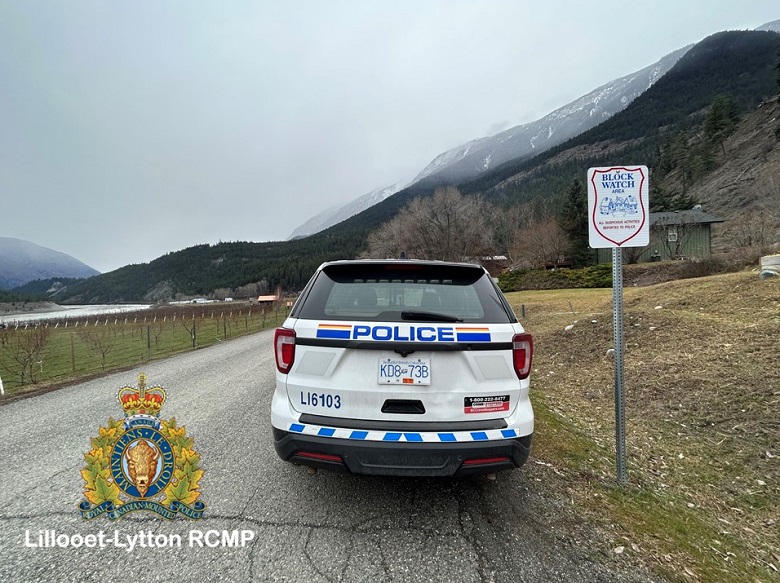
{"x": 327, "y": 527}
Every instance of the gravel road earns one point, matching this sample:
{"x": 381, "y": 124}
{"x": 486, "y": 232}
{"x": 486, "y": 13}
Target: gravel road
{"x": 327, "y": 527}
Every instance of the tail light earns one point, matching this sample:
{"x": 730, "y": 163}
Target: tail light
{"x": 284, "y": 349}
{"x": 522, "y": 354}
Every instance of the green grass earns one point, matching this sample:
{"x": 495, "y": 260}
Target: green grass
{"x": 596, "y": 276}
{"x": 151, "y": 335}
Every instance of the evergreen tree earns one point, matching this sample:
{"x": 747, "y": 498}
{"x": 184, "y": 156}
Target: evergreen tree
{"x": 660, "y": 197}
{"x": 574, "y": 221}
{"x": 721, "y": 121}
{"x": 665, "y": 200}
{"x": 777, "y": 68}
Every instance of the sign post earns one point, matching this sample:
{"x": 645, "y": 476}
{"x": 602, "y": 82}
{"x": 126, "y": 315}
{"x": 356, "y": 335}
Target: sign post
{"x": 618, "y": 342}
{"x": 618, "y": 199}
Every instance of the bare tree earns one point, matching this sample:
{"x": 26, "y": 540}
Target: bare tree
{"x": 757, "y": 228}
{"x": 250, "y": 290}
{"x": 542, "y": 243}
{"x": 389, "y": 240}
{"x": 157, "y": 330}
{"x": 190, "y": 327}
{"x": 632, "y": 254}
{"x": 446, "y": 226}
{"x": 507, "y": 224}
{"x": 99, "y": 339}
{"x": 221, "y": 293}
{"x": 22, "y": 350}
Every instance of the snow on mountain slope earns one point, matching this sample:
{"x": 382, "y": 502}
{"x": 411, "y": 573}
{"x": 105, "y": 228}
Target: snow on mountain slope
{"x": 338, "y": 213}
{"x": 22, "y": 262}
{"x": 450, "y": 157}
{"x": 773, "y": 26}
{"x": 478, "y": 156}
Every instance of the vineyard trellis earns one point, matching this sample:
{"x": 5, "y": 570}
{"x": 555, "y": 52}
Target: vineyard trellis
{"x": 57, "y": 349}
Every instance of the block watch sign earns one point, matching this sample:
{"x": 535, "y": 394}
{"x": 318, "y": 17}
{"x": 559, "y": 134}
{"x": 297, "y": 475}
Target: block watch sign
{"x": 618, "y": 200}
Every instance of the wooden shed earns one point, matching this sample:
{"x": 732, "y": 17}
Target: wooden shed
{"x": 267, "y": 300}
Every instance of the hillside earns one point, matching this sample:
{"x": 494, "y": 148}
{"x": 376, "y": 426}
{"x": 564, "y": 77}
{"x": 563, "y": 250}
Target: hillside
{"x": 702, "y": 435}
{"x": 199, "y": 270}
{"x": 748, "y": 173}
{"x": 339, "y": 213}
{"x": 740, "y": 64}
{"x": 480, "y": 156}
{"x": 23, "y": 261}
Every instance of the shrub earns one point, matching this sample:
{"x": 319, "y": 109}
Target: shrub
{"x": 586, "y": 277}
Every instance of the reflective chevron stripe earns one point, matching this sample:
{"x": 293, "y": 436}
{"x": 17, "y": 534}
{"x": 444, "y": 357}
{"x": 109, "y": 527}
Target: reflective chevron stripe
{"x": 404, "y": 436}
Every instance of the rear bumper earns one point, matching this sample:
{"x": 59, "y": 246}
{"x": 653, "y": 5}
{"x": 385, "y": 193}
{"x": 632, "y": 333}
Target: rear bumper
{"x": 402, "y": 458}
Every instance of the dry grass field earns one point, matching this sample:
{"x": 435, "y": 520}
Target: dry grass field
{"x": 702, "y": 379}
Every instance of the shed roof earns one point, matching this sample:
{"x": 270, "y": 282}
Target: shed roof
{"x": 693, "y": 216}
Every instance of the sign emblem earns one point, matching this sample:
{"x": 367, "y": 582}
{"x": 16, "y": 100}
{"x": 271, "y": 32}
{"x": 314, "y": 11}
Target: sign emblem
{"x": 142, "y": 463}
{"x": 618, "y": 198}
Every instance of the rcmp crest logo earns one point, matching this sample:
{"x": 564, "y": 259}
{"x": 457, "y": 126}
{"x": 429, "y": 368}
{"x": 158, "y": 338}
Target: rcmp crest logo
{"x": 142, "y": 462}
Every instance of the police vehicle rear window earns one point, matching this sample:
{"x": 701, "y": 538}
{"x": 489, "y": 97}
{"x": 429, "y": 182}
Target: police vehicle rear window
{"x": 382, "y": 292}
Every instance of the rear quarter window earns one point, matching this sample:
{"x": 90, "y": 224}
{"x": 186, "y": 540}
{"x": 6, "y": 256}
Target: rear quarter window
{"x": 381, "y": 292}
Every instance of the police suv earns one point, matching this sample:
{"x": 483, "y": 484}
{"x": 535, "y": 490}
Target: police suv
{"x": 402, "y": 367}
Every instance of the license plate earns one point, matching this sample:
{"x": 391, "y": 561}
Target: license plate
{"x": 404, "y": 372}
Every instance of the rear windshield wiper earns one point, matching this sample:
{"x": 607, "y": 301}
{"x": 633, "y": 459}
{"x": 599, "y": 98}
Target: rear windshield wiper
{"x": 428, "y": 317}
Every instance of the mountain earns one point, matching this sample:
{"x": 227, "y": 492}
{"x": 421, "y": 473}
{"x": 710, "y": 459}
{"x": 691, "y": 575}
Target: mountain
{"x": 451, "y": 157}
{"x": 773, "y": 26}
{"x": 478, "y": 156}
{"x": 672, "y": 112}
{"x": 482, "y": 154}
{"x": 22, "y": 262}
{"x": 740, "y": 64}
{"x": 748, "y": 175}
{"x": 339, "y": 213}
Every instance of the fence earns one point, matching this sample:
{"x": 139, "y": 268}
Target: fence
{"x": 47, "y": 351}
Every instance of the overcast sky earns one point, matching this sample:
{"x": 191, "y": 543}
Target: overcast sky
{"x": 131, "y": 129}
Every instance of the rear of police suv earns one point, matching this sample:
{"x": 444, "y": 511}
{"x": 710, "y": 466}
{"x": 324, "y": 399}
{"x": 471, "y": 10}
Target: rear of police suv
{"x": 406, "y": 368}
